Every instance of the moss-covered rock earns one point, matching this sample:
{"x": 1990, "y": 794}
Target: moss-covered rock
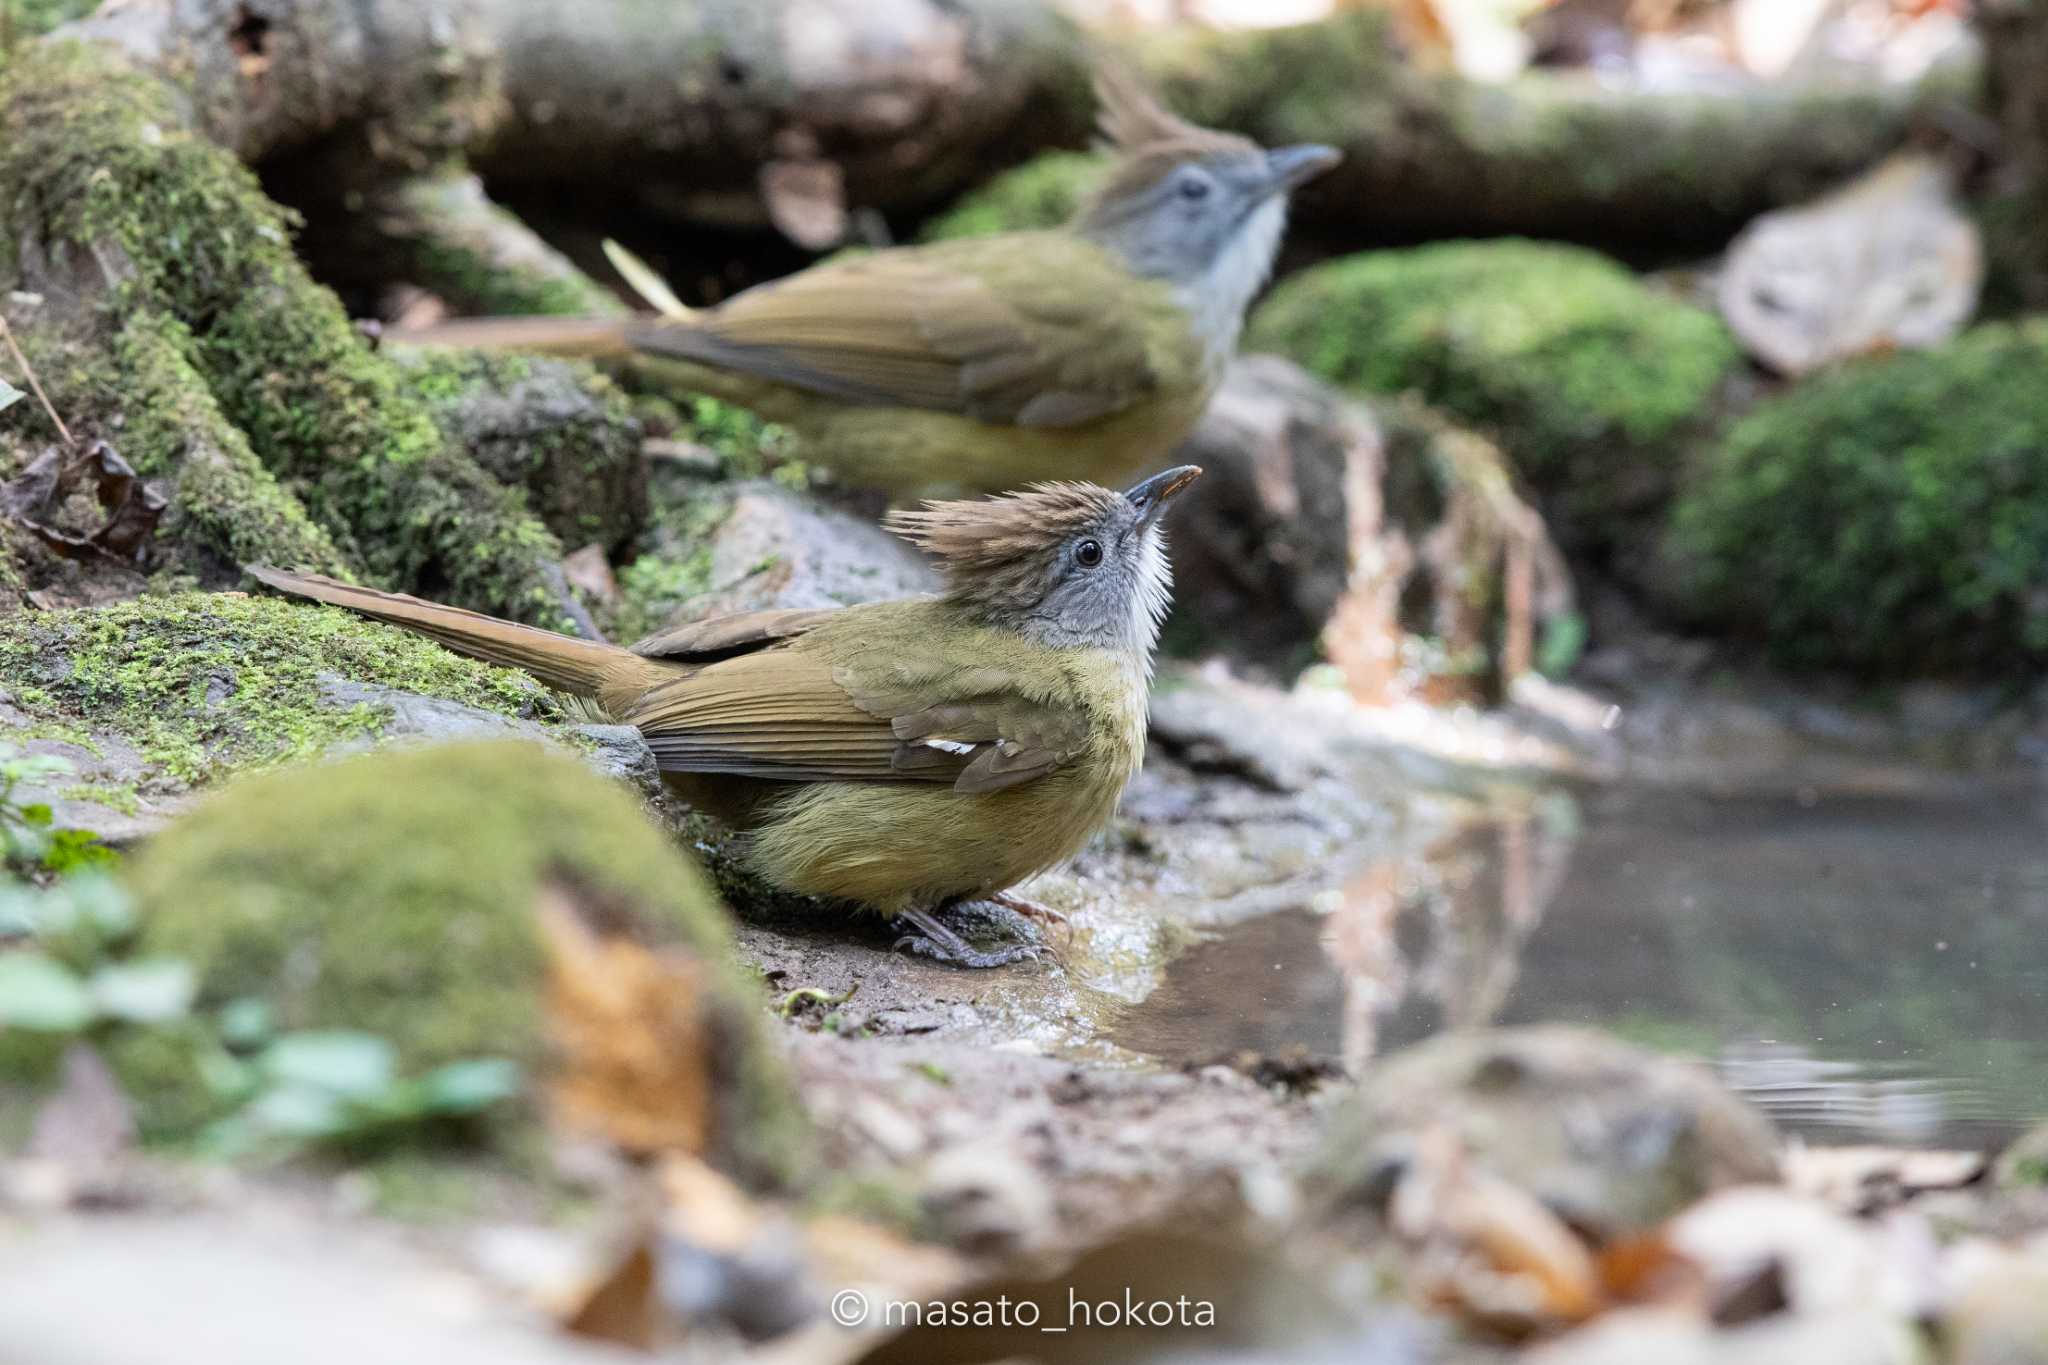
{"x": 117, "y": 212}
{"x": 1589, "y": 379}
{"x": 1890, "y": 518}
{"x": 193, "y": 685}
{"x": 557, "y": 429}
{"x": 1042, "y": 193}
{"x": 380, "y": 894}
{"x": 1613, "y": 1138}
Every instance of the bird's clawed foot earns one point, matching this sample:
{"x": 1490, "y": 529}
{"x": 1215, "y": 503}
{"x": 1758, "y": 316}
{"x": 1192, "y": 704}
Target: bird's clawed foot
{"x": 943, "y": 945}
{"x": 1028, "y": 908}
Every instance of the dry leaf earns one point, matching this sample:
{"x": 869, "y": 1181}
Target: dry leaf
{"x": 621, "y": 1307}
{"x": 1489, "y": 1249}
{"x": 628, "y": 1028}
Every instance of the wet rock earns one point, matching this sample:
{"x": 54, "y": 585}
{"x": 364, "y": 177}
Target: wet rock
{"x": 1612, "y": 1138}
{"x": 557, "y": 429}
{"x": 1387, "y": 539}
{"x": 1259, "y": 542}
{"x": 425, "y": 719}
{"x": 719, "y": 548}
{"x": 986, "y": 1200}
{"x": 620, "y": 752}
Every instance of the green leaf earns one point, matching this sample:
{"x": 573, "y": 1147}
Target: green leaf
{"x": 9, "y": 395}
{"x": 38, "y": 993}
{"x": 148, "y": 991}
{"x": 245, "y": 1023}
{"x": 341, "y": 1063}
{"x": 298, "y": 1111}
{"x": 468, "y": 1087}
{"x": 100, "y": 901}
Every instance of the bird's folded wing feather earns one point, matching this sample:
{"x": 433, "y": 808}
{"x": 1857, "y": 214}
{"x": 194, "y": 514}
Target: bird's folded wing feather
{"x": 791, "y": 715}
{"x": 723, "y": 636}
{"x": 966, "y": 327}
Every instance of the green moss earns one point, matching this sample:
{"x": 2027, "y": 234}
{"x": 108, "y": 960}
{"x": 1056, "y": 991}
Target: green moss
{"x": 1890, "y": 518}
{"x": 225, "y": 502}
{"x": 381, "y": 894}
{"x": 674, "y": 565}
{"x": 556, "y": 429}
{"x": 101, "y": 156}
{"x": 1042, "y": 193}
{"x": 201, "y": 683}
{"x": 1584, "y": 375}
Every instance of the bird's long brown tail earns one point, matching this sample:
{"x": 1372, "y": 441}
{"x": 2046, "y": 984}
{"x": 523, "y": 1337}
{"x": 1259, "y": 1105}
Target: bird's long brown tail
{"x": 587, "y": 338}
{"x": 561, "y": 661}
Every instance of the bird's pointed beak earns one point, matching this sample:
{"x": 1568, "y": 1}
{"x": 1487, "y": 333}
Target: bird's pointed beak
{"x": 1152, "y": 496}
{"x": 1289, "y": 168}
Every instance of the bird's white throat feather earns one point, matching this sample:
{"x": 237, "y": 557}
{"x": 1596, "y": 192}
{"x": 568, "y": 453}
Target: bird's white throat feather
{"x": 1218, "y": 299}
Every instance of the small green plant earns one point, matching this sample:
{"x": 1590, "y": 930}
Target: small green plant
{"x": 338, "y": 1087}
{"x": 31, "y": 847}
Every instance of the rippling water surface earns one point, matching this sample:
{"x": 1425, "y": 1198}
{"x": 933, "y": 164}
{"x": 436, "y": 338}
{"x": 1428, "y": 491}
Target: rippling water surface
{"x": 1865, "y": 969}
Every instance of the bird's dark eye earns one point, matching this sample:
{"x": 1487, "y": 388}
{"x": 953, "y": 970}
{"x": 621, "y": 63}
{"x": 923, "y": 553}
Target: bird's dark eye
{"x": 1194, "y": 188}
{"x": 1088, "y": 553}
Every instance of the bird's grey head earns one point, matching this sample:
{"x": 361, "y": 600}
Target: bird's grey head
{"x": 1065, "y": 564}
{"x": 1201, "y": 210}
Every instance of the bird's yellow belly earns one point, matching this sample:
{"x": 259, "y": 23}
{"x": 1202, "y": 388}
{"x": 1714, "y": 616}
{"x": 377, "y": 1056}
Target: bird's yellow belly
{"x": 916, "y": 453}
{"x": 912, "y": 452}
{"x": 896, "y": 845}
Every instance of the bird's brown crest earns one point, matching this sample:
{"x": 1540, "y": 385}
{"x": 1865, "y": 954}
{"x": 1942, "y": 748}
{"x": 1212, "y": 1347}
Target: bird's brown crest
{"x": 1149, "y": 141}
{"x": 977, "y": 541}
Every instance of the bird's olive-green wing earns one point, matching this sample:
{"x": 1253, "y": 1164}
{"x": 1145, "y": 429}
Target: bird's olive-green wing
{"x": 1014, "y": 330}
{"x": 791, "y": 714}
{"x": 723, "y": 636}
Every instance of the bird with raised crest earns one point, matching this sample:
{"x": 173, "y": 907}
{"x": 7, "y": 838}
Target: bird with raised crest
{"x": 906, "y": 755}
{"x": 1082, "y": 352}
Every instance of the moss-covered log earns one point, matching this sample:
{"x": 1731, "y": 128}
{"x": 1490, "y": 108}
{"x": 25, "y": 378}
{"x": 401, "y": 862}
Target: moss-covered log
{"x": 156, "y": 288}
{"x": 1547, "y": 154}
{"x": 436, "y": 232}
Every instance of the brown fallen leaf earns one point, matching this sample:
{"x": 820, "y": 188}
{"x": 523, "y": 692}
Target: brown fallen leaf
{"x": 1487, "y": 1249}
{"x": 628, "y": 1028}
{"x": 621, "y": 1307}
{"x": 132, "y": 508}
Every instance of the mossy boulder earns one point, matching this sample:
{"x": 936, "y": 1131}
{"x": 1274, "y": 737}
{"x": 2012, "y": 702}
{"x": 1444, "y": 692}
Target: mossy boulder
{"x": 398, "y": 893}
{"x": 1042, "y": 193}
{"x": 1891, "y": 518}
{"x": 1591, "y": 380}
{"x": 152, "y": 696}
{"x": 1612, "y": 1138}
{"x": 557, "y": 429}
